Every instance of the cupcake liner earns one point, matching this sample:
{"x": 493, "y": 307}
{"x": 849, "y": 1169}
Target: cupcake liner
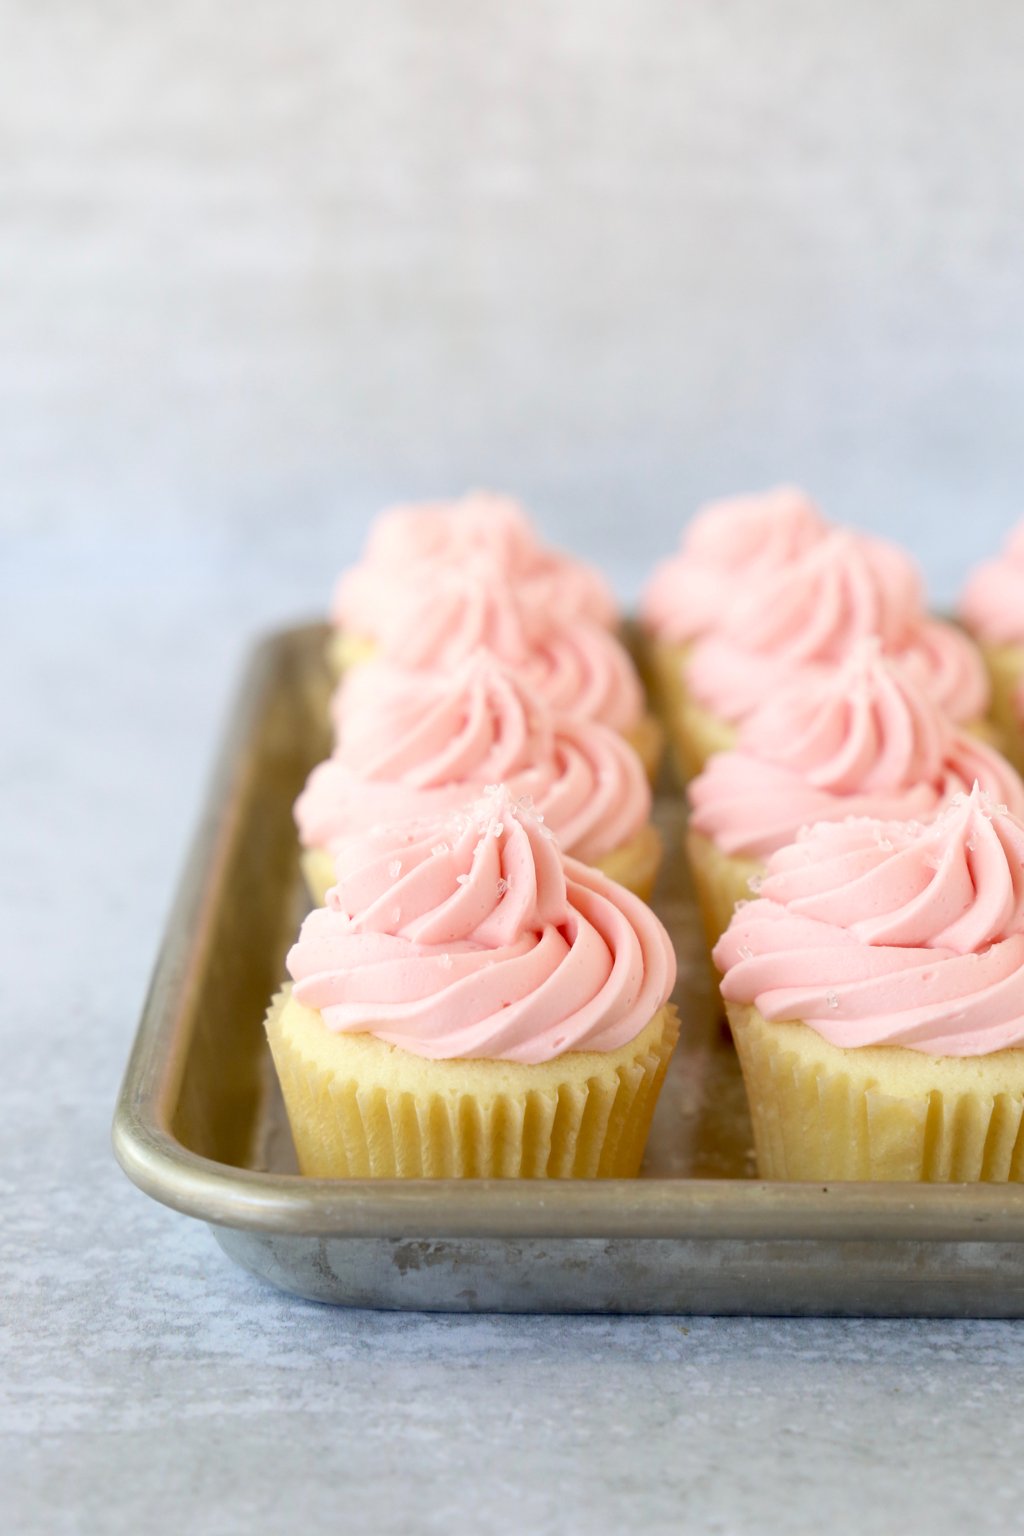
{"x": 318, "y": 873}
{"x": 345, "y": 650}
{"x": 881, "y": 1112}
{"x": 1006, "y": 670}
{"x": 699, "y": 734}
{"x": 634, "y": 864}
{"x": 360, "y": 1108}
{"x": 719, "y": 881}
{"x": 648, "y": 742}
{"x": 694, "y": 732}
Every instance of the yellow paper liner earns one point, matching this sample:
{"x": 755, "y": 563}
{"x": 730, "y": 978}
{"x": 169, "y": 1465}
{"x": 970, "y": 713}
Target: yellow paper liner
{"x": 694, "y": 732}
{"x": 1006, "y": 671}
{"x": 345, "y": 650}
{"x": 648, "y": 742}
{"x": 881, "y": 1112}
{"x": 359, "y": 1108}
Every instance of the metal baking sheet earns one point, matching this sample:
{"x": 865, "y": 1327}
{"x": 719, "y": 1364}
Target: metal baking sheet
{"x": 200, "y": 1126}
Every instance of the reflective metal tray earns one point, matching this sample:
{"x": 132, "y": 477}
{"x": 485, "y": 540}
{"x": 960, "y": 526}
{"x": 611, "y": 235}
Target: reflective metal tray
{"x": 200, "y": 1125}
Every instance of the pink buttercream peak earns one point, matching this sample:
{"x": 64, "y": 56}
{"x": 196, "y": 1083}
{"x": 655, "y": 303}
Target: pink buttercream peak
{"x": 863, "y": 739}
{"x": 577, "y": 667}
{"x": 893, "y": 933}
{"x": 767, "y": 526}
{"x": 482, "y": 874}
{"x": 864, "y": 726}
{"x": 410, "y": 547}
{"x": 992, "y": 602}
{"x": 472, "y": 936}
{"x": 807, "y": 618}
{"x": 420, "y": 743}
{"x": 727, "y": 543}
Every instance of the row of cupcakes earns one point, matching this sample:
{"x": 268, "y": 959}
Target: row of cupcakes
{"x": 468, "y": 653}
{"x": 470, "y": 997}
{"x": 765, "y": 591}
{"x": 857, "y": 848}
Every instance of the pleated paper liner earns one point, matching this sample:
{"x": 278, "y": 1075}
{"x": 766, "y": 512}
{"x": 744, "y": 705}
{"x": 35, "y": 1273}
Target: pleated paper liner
{"x": 878, "y": 1112}
{"x": 635, "y": 865}
{"x": 359, "y": 1108}
{"x": 345, "y": 650}
{"x": 647, "y": 738}
{"x": 694, "y": 731}
{"x": 1006, "y": 671}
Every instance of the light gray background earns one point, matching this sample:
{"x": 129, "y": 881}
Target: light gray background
{"x": 262, "y": 269}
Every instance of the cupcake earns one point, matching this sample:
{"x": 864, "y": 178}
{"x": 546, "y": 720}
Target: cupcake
{"x": 470, "y": 1003}
{"x": 875, "y": 991}
{"x": 863, "y": 740}
{"x": 728, "y": 545}
{"x": 409, "y": 546}
{"x": 414, "y": 744}
{"x": 992, "y": 609}
{"x": 576, "y": 667}
{"x": 804, "y": 620}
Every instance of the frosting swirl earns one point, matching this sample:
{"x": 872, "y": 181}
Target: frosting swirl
{"x": 890, "y": 933}
{"x": 804, "y": 617}
{"x": 950, "y": 669}
{"x": 472, "y": 936}
{"x": 414, "y": 744}
{"x": 578, "y": 668}
{"x": 992, "y": 602}
{"x": 727, "y": 543}
{"x": 863, "y": 740}
{"x": 410, "y": 545}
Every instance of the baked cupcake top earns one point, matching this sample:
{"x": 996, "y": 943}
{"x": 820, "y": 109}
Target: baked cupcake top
{"x": 407, "y": 545}
{"x": 576, "y": 667}
{"x": 862, "y": 740}
{"x": 413, "y": 744}
{"x": 890, "y": 933}
{"x": 727, "y": 543}
{"x": 473, "y": 936}
{"x": 808, "y": 616}
{"x": 992, "y": 603}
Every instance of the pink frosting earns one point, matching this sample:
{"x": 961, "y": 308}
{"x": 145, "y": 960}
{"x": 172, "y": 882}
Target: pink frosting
{"x": 950, "y": 669}
{"x": 414, "y": 744}
{"x": 576, "y": 667}
{"x": 890, "y": 933}
{"x": 806, "y": 619}
{"x": 728, "y": 543}
{"x": 992, "y": 604}
{"x": 862, "y": 740}
{"x": 473, "y": 936}
{"x": 409, "y": 545}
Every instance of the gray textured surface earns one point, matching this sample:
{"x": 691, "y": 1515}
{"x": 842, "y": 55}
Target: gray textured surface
{"x": 260, "y": 269}
{"x": 267, "y": 266}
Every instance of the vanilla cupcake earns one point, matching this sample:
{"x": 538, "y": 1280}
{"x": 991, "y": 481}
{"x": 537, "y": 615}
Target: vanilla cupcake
{"x": 419, "y": 744}
{"x": 409, "y": 546}
{"x": 862, "y": 740}
{"x": 472, "y": 1004}
{"x": 875, "y": 991}
{"x": 577, "y": 668}
{"x": 729, "y": 545}
{"x": 992, "y": 609}
{"x": 804, "y": 620}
